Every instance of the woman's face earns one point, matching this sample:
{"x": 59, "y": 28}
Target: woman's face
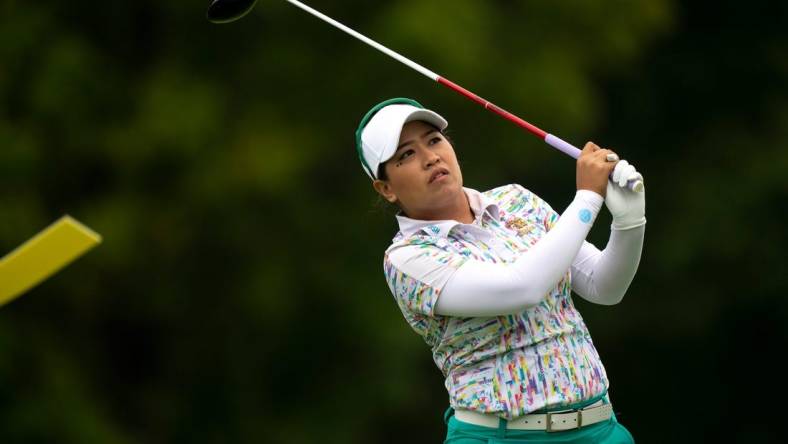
{"x": 423, "y": 176}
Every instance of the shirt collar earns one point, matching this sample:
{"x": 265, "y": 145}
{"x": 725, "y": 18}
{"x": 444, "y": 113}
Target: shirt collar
{"x": 479, "y": 203}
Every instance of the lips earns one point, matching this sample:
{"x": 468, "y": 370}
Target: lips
{"x": 438, "y": 173}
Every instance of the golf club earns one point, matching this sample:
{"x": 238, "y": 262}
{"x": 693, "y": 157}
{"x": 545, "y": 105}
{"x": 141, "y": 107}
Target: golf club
{"x": 225, "y": 11}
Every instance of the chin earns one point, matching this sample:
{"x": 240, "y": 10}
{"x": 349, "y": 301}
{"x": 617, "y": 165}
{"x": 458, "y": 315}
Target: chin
{"x": 446, "y": 194}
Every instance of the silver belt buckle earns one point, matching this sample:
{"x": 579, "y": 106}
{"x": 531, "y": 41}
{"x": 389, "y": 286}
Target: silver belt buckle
{"x": 549, "y": 420}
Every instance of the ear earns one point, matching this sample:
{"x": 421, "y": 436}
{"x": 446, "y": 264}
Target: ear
{"x": 383, "y": 188}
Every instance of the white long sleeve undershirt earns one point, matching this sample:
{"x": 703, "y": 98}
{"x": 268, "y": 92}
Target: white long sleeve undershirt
{"x": 488, "y": 289}
{"x": 603, "y": 277}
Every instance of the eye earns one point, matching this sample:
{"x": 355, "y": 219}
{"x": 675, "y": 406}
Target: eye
{"x": 435, "y": 140}
{"x": 406, "y": 154}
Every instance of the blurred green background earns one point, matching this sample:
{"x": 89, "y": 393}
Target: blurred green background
{"x": 239, "y": 296}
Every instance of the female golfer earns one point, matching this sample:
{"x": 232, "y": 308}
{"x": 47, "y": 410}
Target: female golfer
{"x": 485, "y": 278}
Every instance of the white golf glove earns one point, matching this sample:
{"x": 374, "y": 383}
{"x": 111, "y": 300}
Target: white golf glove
{"x": 627, "y": 207}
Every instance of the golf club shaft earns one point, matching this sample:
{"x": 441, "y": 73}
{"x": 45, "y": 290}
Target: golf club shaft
{"x": 555, "y": 142}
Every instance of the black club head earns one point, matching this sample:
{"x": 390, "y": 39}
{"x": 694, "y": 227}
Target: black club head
{"x": 225, "y": 11}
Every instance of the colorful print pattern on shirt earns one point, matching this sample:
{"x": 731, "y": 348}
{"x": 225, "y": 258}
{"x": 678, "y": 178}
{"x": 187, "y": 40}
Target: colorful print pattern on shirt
{"x": 508, "y": 365}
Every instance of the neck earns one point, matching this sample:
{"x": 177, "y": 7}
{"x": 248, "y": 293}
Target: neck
{"x": 458, "y": 209}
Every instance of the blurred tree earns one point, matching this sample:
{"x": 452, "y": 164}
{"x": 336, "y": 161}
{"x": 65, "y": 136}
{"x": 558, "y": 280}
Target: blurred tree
{"x": 239, "y": 295}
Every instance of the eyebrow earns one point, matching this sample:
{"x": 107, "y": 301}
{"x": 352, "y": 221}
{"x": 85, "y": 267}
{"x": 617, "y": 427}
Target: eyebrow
{"x": 433, "y": 130}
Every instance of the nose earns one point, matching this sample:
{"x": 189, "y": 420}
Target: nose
{"x": 432, "y": 158}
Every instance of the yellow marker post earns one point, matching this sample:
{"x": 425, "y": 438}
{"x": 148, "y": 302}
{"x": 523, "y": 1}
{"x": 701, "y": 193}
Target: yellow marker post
{"x": 44, "y": 255}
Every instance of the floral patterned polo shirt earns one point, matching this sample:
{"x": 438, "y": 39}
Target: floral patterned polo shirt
{"x": 507, "y": 365}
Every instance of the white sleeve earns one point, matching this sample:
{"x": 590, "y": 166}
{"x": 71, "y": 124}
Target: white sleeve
{"x": 487, "y": 289}
{"x": 603, "y": 277}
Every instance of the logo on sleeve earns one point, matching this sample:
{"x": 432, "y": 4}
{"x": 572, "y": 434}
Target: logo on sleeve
{"x": 585, "y": 215}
